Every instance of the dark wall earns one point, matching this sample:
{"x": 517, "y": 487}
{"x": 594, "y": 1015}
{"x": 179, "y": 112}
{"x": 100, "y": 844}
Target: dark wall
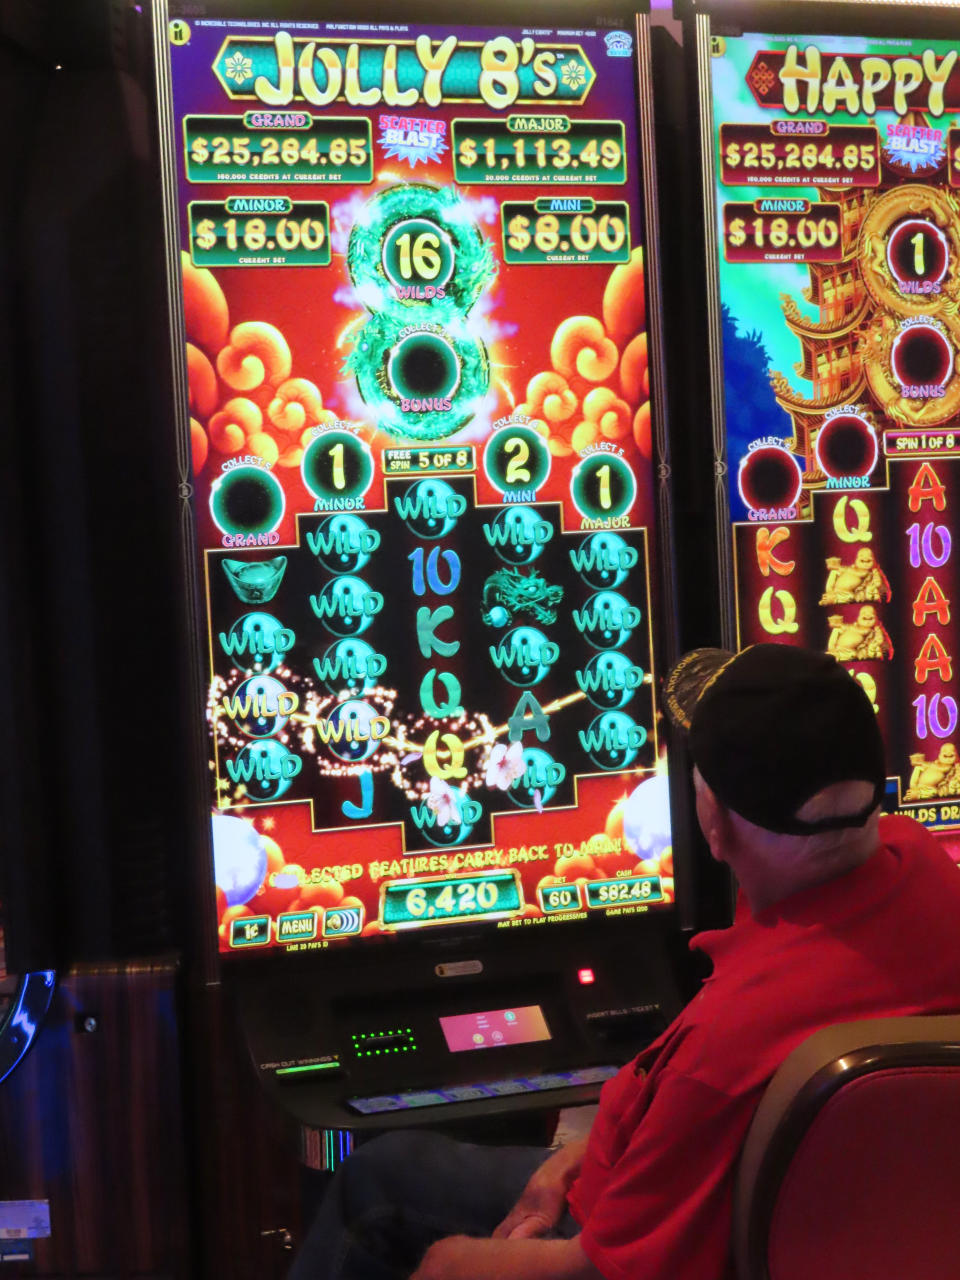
{"x": 90, "y": 782}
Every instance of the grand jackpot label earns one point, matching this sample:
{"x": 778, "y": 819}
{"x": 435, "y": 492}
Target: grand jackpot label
{"x": 413, "y": 280}
{"x": 839, "y": 237}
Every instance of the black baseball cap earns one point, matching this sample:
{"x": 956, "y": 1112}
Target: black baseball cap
{"x": 771, "y": 726}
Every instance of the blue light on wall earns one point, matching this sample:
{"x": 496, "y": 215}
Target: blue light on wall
{"x": 23, "y": 1019}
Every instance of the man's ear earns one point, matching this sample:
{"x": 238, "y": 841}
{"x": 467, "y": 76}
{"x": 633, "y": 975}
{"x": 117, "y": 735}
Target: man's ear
{"x": 712, "y": 816}
{"x": 716, "y": 829}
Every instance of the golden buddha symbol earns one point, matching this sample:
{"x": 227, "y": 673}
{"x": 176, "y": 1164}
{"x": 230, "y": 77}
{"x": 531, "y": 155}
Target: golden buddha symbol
{"x": 861, "y": 580}
{"x": 932, "y": 779}
{"x": 865, "y": 638}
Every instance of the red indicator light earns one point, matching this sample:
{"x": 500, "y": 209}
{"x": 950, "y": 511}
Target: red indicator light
{"x": 586, "y": 976}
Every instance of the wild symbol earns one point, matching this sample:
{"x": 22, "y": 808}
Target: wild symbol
{"x": 524, "y": 656}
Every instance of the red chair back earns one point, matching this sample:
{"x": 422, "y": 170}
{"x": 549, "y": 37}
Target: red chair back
{"x": 851, "y": 1167}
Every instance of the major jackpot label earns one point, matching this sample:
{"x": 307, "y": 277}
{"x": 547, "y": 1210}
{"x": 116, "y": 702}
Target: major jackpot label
{"x": 839, "y": 236}
{"x": 413, "y": 275}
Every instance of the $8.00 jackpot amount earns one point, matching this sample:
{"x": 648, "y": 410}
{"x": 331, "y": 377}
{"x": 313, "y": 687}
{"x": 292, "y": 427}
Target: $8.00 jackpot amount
{"x": 586, "y": 233}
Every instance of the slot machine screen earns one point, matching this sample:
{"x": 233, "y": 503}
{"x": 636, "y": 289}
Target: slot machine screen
{"x": 422, "y": 475}
{"x": 837, "y": 167}
{"x": 495, "y": 1028}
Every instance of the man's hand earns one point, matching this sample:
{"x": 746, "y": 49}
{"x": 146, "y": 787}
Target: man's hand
{"x": 463, "y": 1258}
{"x": 544, "y": 1198}
{"x": 446, "y": 1259}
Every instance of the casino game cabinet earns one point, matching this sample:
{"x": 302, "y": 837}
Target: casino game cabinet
{"x": 426, "y": 510}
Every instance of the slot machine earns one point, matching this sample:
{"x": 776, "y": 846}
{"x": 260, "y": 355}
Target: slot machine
{"x": 415, "y": 310}
{"x": 829, "y": 144}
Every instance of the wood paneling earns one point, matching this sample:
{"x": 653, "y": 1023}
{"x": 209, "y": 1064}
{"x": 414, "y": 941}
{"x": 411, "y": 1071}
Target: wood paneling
{"x": 249, "y": 1176}
{"x": 149, "y": 1135}
{"x": 92, "y": 1121}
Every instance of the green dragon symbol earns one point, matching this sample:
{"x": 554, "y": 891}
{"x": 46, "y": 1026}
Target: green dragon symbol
{"x": 508, "y": 592}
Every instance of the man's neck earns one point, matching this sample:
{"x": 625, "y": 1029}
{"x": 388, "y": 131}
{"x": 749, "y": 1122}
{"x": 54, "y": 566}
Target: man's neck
{"x": 769, "y": 887}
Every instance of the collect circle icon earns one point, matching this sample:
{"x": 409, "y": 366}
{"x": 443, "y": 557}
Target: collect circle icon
{"x": 769, "y": 479}
{"x": 516, "y": 458}
{"x": 603, "y": 486}
{"x": 246, "y": 501}
{"x": 415, "y": 246}
{"x": 846, "y": 446}
{"x": 336, "y": 465}
{"x": 917, "y": 253}
{"x": 921, "y": 356}
{"x": 424, "y": 366}
{"x": 422, "y": 382}
{"x": 417, "y": 251}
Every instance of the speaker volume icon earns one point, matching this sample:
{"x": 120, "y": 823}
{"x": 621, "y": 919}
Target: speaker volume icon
{"x": 341, "y": 922}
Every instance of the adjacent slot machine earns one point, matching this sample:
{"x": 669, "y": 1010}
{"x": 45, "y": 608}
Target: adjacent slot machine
{"x": 414, "y": 288}
{"x": 830, "y": 158}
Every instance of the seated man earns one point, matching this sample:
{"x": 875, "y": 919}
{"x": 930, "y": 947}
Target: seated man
{"x": 842, "y": 914}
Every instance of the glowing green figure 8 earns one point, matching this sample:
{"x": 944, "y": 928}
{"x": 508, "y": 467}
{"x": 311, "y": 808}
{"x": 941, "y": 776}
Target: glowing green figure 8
{"x": 419, "y": 263}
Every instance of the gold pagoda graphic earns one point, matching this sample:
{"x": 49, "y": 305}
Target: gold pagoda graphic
{"x": 831, "y": 362}
{"x": 847, "y": 349}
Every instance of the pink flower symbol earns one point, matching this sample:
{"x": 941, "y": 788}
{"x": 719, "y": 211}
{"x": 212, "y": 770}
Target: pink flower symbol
{"x": 445, "y": 803}
{"x": 504, "y": 766}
